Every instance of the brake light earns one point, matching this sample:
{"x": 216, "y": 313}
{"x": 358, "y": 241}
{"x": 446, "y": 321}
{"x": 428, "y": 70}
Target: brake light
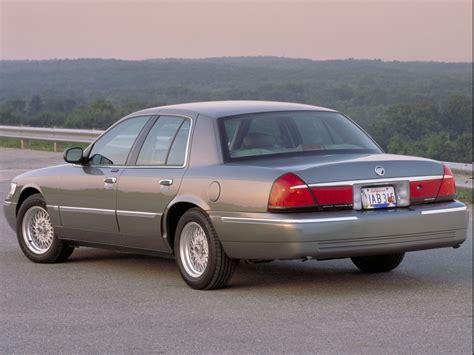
{"x": 290, "y": 191}
{"x": 334, "y": 196}
{"x": 434, "y": 190}
{"x": 447, "y": 191}
{"x": 424, "y": 191}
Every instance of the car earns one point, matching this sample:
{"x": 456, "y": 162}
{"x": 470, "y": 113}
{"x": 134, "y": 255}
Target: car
{"x": 212, "y": 183}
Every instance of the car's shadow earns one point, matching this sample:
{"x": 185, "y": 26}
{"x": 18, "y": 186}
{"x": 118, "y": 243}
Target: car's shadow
{"x": 324, "y": 277}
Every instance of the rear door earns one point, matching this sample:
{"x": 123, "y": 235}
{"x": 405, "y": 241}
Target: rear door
{"x": 152, "y": 180}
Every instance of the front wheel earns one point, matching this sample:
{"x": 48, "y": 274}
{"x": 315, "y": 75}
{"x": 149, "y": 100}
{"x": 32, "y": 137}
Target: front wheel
{"x": 378, "y": 263}
{"x": 36, "y": 235}
{"x": 201, "y": 260}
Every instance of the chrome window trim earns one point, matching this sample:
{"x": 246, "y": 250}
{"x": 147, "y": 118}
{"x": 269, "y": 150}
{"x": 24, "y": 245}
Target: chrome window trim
{"x": 286, "y": 221}
{"x": 186, "y": 156}
{"x": 444, "y": 210}
{"x": 370, "y": 181}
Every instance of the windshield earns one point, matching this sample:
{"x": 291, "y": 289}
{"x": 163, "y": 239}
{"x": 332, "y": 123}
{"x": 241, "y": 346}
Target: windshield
{"x": 295, "y": 132}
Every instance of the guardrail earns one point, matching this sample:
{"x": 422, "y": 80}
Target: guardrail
{"x": 54, "y": 135}
{"x": 462, "y": 171}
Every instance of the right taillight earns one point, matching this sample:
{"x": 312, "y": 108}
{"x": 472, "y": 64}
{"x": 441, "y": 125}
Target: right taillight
{"x": 426, "y": 191}
{"x": 447, "y": 190}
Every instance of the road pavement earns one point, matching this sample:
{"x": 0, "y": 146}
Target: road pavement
{"x": 106, "y": 302}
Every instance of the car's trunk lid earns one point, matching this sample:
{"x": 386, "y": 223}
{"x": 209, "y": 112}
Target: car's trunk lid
{"x": 318, "y": 169}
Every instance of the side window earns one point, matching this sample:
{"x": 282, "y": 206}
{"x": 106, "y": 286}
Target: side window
{"x": 166, "y": 142}
{"x": 113, "y": 147}
{"x": 177, "y": 153}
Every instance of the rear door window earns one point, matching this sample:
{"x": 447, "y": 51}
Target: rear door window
{"x": 165, "y": 144}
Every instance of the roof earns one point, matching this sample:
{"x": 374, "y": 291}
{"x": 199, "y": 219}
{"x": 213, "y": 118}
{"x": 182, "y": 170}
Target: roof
{"x": 216, "y": 109}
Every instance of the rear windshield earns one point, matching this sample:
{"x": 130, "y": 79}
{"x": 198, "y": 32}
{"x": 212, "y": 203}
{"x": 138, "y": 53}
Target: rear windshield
{"x": 295, "y": 133}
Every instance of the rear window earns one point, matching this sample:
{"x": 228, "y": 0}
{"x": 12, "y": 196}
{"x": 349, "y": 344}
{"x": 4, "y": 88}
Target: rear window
{"x": 296, "y": 133}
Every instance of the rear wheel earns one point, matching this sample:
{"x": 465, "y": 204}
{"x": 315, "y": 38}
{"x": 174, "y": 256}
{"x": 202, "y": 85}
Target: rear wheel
{"x": 378, "y": 263}
{"x": 36, "y": 235}
{"x": 201, "y": 260}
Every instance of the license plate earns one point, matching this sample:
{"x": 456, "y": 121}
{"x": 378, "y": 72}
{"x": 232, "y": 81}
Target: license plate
{"x": 378, "y": 197}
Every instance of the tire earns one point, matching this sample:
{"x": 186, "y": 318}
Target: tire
{"x": 36, "y": 235}
{"x": 378, "y": 263}
{"x": 205, "y": 266}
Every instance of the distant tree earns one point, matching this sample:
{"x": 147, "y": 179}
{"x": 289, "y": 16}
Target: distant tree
{"x": 458, "y": 116}
{"x": 36, "y": 105}
{"x": 409, "y": 121}
{"x": 17, "y": 105}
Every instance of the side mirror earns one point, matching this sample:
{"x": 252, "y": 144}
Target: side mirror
{"x": 73, "y": 155}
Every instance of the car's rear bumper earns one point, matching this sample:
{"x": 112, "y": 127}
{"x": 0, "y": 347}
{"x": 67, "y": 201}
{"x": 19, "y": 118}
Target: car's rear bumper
{"x": 341, "y": 234}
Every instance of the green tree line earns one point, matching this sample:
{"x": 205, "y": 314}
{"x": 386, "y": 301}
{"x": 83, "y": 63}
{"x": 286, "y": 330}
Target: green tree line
{"x": 416, "y": 108}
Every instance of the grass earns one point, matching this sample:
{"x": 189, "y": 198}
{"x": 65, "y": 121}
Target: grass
{"x": 39, "y": 145}
{"x": 465, "y": 195}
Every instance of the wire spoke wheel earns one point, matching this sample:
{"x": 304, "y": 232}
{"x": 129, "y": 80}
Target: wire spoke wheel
{"x": 37, "y": 229}
{"x": 194, "y": 249}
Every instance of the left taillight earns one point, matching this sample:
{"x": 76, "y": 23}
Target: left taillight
{"x": 289, "y": 192}
{"x": 333, "y": 196}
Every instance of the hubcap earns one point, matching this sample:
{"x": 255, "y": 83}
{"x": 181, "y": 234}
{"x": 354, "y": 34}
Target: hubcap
{"x": 194, "y": 249}
{"x": 37, "y": 230}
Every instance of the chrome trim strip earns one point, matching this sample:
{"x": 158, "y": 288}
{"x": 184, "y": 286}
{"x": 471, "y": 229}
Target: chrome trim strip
{"x": 138, "y": 214}
{"x": 445, "y": 210}
{"x": 53, "y": 207}
{"x": 86, "y": 210}
{"x": 286, "y": 221}
{"x": 371, "y": 181}
{"x": 9, "y": 203}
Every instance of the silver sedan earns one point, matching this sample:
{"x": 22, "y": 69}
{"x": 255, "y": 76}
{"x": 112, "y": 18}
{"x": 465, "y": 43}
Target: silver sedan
{"x": 214, "y": 182}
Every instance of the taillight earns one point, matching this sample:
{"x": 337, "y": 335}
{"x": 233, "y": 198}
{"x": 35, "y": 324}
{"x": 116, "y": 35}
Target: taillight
{"x": 290, "y": 191}
{"x": 334, "y": 196}
{"x": 424, "y": 191}
{"x": 434, "y": 190}
{"x": 447, "y": 191}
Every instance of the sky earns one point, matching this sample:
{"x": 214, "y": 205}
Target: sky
{"x": 406, "y": 30}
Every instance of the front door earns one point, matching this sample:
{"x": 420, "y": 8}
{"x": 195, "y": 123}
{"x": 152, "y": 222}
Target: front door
{"x": 148, "y": 185}
{"x": 89, "y": 191}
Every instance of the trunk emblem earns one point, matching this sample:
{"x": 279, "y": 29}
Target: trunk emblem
{"x": 379, "y": 170}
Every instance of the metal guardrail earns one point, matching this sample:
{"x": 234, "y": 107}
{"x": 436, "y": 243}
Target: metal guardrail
{"x": 54, "y": 135}
{"x": 460, "y": 168}
{"x": 462, "y": 171}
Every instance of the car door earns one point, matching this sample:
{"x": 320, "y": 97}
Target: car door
{"x": 89, "y": 191}
{"x": 148, "y": 185}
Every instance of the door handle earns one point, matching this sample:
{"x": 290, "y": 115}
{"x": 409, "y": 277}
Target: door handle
{"x": 110, "y": 180}
{"x": 166, "y": 182}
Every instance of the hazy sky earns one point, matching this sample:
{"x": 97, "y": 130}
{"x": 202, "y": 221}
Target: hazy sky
{"x": 402, "y": 29}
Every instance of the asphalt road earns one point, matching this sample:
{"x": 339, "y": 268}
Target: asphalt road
{"x": 106, "y": 302}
